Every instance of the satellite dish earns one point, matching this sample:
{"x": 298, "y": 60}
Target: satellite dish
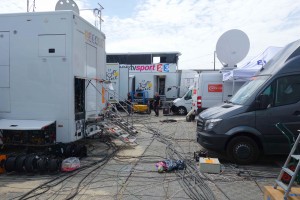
{"x": 67, "y": 5}
{"x": 232, "y": 47}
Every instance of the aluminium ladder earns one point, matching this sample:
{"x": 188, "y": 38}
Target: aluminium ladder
{"x": 285, "y": 169}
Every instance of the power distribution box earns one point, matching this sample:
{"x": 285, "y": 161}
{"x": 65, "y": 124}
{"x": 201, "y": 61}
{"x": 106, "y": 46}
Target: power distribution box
{"x": 209, "y": 165}
{"x": 166, "y": 110}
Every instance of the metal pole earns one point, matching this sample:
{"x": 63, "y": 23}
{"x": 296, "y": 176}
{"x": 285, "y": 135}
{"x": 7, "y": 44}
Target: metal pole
{"x": 214, "y": 60}
{"x": 100, "y": 17}
{"x": 27, "y": 5}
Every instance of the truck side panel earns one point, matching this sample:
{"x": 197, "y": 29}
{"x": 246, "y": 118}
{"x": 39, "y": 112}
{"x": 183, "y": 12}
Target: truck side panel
{"x": 211, "y": 89}
{"x": 113, "y": 75}
{"x": 4, "y": 72}
{"x": 42, "y": 65}
{"x": 172, "y": 85}
{"x": 145, "y": 82}
{"x": 124, "y": 83}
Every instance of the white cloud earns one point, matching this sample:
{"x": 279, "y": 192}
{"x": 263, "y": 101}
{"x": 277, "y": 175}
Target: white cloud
{"x": 10, "y": 6}
{"x": 193, "y": 27}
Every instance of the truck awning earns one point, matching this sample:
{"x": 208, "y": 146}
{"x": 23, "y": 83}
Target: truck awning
{"x": 7, "y": 124}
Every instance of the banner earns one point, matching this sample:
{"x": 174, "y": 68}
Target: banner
{"x": 160, "y": 67}
{"x": 215, "y": 87}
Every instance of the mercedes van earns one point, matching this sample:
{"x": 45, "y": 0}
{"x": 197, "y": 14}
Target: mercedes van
{"x": 244, "y": 127}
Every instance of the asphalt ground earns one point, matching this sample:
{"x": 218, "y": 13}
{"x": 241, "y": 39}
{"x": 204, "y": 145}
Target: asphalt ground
{"x": 115, "y": 170}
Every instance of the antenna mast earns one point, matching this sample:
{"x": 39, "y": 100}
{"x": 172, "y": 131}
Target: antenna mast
{"x": 33, "y": 6}
{"x": 98, "y": 13}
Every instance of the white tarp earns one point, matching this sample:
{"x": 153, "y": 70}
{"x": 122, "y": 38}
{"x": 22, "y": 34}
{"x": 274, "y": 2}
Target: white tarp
{"x": 253, "y": 66}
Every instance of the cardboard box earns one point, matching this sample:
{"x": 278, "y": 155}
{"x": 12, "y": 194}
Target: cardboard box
{"x": 277, "y": 194}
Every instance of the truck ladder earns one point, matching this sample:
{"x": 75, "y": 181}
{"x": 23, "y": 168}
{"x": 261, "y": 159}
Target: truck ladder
{"x": 285, "y": 169}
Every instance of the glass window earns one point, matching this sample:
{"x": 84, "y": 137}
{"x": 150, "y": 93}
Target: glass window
{"x": 287, "y": 90}
{"x": 188, "y": 95}
{"x": 284, "y": 90}
{"x": 246, "y": 91}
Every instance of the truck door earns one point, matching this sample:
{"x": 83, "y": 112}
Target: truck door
{"x": 161, "y": 83}
{"x": 188, "y": 100}
{"x": 4, "y": 73}
{"x": 284, "y": 107}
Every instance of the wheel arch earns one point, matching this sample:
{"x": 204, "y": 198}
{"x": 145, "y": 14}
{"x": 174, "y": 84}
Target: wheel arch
{"x": 248, "y": 132}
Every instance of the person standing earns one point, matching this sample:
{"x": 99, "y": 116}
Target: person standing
{"x": 129, "y": 104}
{"x": 156, "y": 104}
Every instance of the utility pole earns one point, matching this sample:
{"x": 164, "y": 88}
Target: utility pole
{"x": 27, "y": 5}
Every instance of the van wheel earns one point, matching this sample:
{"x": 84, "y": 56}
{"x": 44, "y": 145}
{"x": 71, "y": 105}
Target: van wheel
{"x": 188, "y": 118}
{"x": 243, "y": 150}
{"x": 181, "y": 110}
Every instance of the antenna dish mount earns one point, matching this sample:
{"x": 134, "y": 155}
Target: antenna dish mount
{"x": 67, "y": 5}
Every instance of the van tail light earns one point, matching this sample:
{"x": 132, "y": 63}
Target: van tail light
{"x": 199, "y": 102}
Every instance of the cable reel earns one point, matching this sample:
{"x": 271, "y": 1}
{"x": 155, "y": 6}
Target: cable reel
{"x": 10, "y": 164}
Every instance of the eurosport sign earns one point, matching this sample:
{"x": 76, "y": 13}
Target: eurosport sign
{"x": 160, "y": 67}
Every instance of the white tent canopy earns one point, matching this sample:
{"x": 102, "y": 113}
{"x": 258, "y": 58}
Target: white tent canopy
{"x": 253, "y": 66}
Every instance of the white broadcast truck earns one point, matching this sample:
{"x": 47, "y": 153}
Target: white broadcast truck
{"x": 208, "y": 90}
{"x": 162, "y": 78}
{"x": 50, "y": 67}
{"x": 118, "y": 75}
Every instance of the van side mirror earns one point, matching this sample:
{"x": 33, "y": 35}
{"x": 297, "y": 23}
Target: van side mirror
{"x": 263, "y": 101}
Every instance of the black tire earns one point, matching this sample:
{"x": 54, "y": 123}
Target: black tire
{"x": 42, "y": 164}
{"x": 10, "y": 164}
{"x": 54, "y": 165}
{"x": 181, "y": 110}
{"x": 243, "y": 150}
{"x": 19, "y": 165}
{"x": 30, "y": 163}
{"x": 70, "y": 150}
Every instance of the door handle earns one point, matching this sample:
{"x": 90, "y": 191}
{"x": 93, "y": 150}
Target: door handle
{"x": 297, "y": 113}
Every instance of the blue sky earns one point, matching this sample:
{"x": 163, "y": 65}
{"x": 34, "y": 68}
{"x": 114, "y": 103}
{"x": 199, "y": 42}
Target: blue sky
{"x": 191, "y": 27}
{"x": 119, "y": 8}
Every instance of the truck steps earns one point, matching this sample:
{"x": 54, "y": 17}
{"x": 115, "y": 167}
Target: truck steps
{"x": 113, "y": 130}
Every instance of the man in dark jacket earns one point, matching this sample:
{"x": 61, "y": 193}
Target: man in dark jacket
{"x": 129, "y": 103}
{"x": 156, "y": 104}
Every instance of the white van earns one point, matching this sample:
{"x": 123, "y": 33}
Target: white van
{"x": 210, "y": 89}
{"x": 245, "y": 127}
{"x": 184, "y": 104}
